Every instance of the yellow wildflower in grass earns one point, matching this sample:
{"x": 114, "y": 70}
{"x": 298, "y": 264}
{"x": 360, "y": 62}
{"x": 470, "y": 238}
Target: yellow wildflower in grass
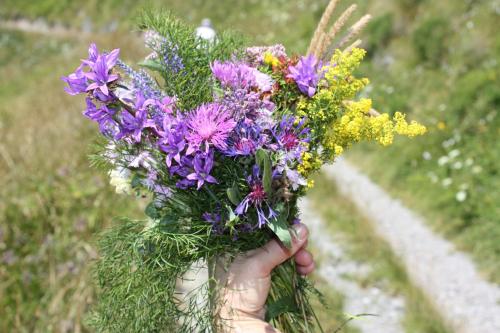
{"x": 310, "y": 162}
{"x": 270, "y": 60}
{"x": 441, "y": 125}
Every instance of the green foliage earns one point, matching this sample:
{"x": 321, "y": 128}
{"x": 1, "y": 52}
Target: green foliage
{"x": 192, "y": 84}
{"x": 379, "y": 32}
{"x": 430, "y": 40}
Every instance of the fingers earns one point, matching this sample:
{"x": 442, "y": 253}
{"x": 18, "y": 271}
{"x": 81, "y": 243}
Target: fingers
{"x": 272, "y": 254}
{"x": 304, "y": 261}
{"x": 303, "y": 257}
{"x": 305, "y": 270}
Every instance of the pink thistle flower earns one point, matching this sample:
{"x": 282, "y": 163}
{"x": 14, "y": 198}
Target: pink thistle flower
{"x": 209, "y": 124}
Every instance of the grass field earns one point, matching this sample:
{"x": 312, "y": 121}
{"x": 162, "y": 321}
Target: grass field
{"x": 52, "y": 204}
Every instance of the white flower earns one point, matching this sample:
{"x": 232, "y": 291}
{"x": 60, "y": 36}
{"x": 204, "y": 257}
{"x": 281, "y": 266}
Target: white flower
{"x": 469, "y": 162}
{"x": 433, "y": 177}
{"x": 426, "y": 155}
{"x": 454, "y": 153}
{"x": 461, "y": 196}
{"x": 120, "y": 179}
{"x": 443, "y": 160}
{"x": 447, "y": 182}
{"x": 477, "y": 169}
{"x": 457, "y": 165}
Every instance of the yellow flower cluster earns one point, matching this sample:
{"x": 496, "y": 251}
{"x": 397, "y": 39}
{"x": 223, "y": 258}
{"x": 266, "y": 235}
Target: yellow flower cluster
{"x": 356, "y": 125}
{"x": 309, "y": 163}
{"x": 336, "y": 121}
{"x": 270, "y": 60}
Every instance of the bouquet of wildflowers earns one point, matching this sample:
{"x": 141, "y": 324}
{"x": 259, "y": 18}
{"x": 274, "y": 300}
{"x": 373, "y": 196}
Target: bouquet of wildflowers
{"x": 223, "y": 140}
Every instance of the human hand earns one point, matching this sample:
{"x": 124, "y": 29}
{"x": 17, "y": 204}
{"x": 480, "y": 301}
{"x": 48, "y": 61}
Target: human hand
{"x": 246, "y": 284}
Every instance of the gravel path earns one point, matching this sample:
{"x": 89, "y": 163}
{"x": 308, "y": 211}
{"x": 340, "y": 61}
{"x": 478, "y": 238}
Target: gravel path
{"x": 336, "y": 269}
{"x": 448, "y": 277}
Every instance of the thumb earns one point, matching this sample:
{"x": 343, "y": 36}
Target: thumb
{"x": 273, "y": 253}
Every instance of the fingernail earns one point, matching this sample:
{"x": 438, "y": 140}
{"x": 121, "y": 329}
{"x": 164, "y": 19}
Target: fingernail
{"x": 300, "y": 231}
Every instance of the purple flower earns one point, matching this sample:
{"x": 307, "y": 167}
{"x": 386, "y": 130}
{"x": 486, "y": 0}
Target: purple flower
{"x": 100, "y": 74}
{"x": 307, "y": 74}
{"x": 215, "y": 219}
{"x": 133, "y": 124}
{"x": 202, "y": 164}
{"x": 94, "y": 75}
{"x": 103, "y": 115}
{"x": 77, "y": 82}
{"x": 292, "y": 137}
{"x": 245, "y": 140}
{"x": 239, "y": 75}
{"x": 257, "y": 199}
{"x": 248, "y": 105}
{"x": 255, "y": 54}
{"x": 209, "y": 124}
{"x": 172, "y": 138}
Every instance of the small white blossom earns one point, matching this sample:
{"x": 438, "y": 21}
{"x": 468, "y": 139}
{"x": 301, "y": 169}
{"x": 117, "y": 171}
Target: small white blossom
{"x": 454, "y": 153}
{"x": 447, "y": 182}
{"x": 120, "y": 179}
{"x": 461, "y": 196}
{"x": 469, "y": 162}
{"x": 477, "y": 169}
{"x": 426, "y": 155}
{"x": 433, "y": 177}
{"x": 443, "y": 160}
{"x": 457, "y": 165}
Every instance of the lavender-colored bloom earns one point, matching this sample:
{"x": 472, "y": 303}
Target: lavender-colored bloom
{"x": 133, "y": 124}
{"x": 164, "y": 50}
{"x": 307, "y": 74}
{"x": 202, "y": 164}
{"x": 209, "y": 124}
{"x": 292, "y": 137}
{"x": 248, "y": 105}
{"x": 103, "y": 115}
{"x": 141, "y": 81}
{"x": 172, "y": 138}
{"x": 257, "y": 199}
{"x": 215, "y": 219}
{"x": 98, "y": 76}
{"x": 239, "y": 75}
{"x": 255, "y": 54}
{"x": 100, "y": 72}
{"x": 77, "y": 82}
{"x": 245, "y": 140}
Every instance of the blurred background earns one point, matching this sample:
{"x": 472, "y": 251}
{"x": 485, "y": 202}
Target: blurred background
{"x": 438, "y": 61}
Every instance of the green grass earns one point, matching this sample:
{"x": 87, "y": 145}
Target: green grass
{"x": 359, "y": 239}
{"x": 445, "y": 73}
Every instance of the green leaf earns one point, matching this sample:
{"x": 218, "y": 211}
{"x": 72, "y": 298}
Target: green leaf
{"x": 264, "y": 162}
{"x": 136, "y": 181}
{"x": 151, "y": 211}
{"x": 280, "y": 306}
{"x": 280, "y": 228}
{"x": 152, "y": 65}
{"x": 234, "y": 194}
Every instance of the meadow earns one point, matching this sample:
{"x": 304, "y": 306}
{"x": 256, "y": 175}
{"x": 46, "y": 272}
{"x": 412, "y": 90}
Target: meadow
{"x": 436, "y": 60}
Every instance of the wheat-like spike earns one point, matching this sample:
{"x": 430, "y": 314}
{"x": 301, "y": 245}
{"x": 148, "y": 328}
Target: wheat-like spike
{"x": 352, "y": 46}
{"x": 335, "y": 29}
{"x": 354, "y": 30}
{"x": 323, "y": 22}
{"x": 319, "y": 42}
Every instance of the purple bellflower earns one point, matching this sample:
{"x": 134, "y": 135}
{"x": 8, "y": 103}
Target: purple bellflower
{"x": 103, "y": 115}
{"x": 202, "y": 164}
{"x": 307, "y": 74}
{"x": 133, "y": 124}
